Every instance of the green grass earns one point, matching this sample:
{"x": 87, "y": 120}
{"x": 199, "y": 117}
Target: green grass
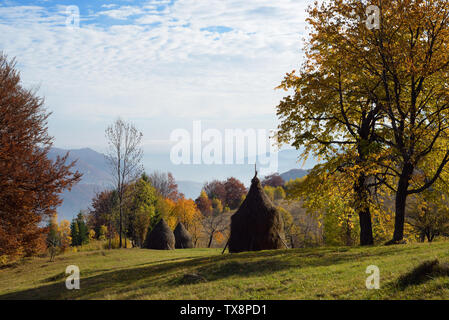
{"x": 318, "y": 273}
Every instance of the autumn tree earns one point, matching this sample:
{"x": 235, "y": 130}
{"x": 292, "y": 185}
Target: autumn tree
{"x": 269, "y": 191}
{"x": 103, "y": 233}
{"x": 411, "y": 60}
{"x": 235, "y": 190}
{"x": 429, "y": 215}
{"x": 164, "y": 209}
{"x": 329, "y": 114}
{"x": 274, "y": 193}
{"x": 102, "y": 214}
{"x": 124, "y": 157}
{"x": 53, "y": 238}
{"x": 141, "y": 210}
{"x": 373, "y": 101}
{"x": 217, "y": 206}
{"x": 204, "y": 204}
{"x": 215, "y": 190}
{"x": 279, "y": 193}
{"x": 229, "y": 192}
{"x": 64, "y": 235}
{"x": 273, "y": 180}
{"x": 186, "y": 212}
{"x": 290, "y": 229}
{"x": 30, "y": 184}
{"x": 327, "y": 200}
{"x": 101, "y": 206}
{"x": 213, "y": 224}
{"x": 165, "y": 184}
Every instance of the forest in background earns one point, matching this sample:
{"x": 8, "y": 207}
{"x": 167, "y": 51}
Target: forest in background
{"x": 371, "y": 103}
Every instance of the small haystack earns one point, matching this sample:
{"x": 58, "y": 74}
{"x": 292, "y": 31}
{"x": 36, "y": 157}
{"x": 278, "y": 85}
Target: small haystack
{"x": 161, "y": 237}
{"x": 257, "y": 224}
{"x": 182, "y": 237}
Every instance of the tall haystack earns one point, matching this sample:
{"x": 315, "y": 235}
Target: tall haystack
{"x": 160, "y": 238}
{"x": 182, "y": 237}
{"x": 257, "y": 224}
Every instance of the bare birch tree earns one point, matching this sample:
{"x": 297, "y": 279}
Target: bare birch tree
{"x": 124, "y": 158}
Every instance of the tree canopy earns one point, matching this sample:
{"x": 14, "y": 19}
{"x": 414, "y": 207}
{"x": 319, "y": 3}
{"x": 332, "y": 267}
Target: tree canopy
{"x": 372, "y": 103}
{"x": 30, "y": 183}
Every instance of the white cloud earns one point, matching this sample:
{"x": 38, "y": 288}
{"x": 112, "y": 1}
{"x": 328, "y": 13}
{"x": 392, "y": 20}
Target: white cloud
{"x": 138, "y": 70}
{"x": 121, "y": 13}
{"x": 108, "y": 6}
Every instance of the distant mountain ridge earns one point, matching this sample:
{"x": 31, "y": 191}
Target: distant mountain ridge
{"x": 96, "y": 176}
{"x": 294, "y": 174}
{"x": 90, "y": 163}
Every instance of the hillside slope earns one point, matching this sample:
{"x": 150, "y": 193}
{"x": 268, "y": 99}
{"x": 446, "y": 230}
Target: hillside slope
{"x": 316, "y": 273}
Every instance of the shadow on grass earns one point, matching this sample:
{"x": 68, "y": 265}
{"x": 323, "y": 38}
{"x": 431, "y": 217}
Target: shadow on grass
{"x": 154, "y": 276}
{"x": 427, "y": 270}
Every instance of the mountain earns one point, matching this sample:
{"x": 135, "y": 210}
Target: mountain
{"x": 92, "y": 164}
{"x": 190, "y": 189}
{"x": 79, "y": 198}
{"x": 95, "y": 178}
{"x": 286, "y": 159}
{"x": 293, "y": 174}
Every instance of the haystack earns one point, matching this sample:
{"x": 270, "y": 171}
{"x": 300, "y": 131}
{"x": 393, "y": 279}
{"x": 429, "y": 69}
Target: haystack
{"x": 182, "y": 237}
{"x": 257, "y": 224}
{"x": 161, "y": 237}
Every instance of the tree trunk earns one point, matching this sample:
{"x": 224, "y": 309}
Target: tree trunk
{"x": 120, "y": 226}
{"x": 366, "y": 227}
{"x": 210, "y": 240}
{"x": 348, "y": 238}
{"x": 110, "y": 235}
{"x": 422, "y": 237}
{"x": 401, "y": 200}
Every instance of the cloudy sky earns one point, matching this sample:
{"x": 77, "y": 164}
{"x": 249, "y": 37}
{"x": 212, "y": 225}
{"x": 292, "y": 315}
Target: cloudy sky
{"x": 159, "y": 63}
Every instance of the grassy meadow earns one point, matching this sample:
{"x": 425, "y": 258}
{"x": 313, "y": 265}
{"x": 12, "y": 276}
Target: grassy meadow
{"x": 316, "y": 273}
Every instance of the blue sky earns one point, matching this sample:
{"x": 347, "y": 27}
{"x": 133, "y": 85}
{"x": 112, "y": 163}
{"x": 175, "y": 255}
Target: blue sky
{"x": 159, "y": 63}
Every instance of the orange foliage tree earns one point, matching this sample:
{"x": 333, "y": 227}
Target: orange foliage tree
{"x": 204, "y": 204}
{"x": 189, "y": 215}
{"x": 30, "y": 183}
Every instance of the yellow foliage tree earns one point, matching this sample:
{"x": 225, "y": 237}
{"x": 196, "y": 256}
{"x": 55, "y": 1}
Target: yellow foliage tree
{"x": 103, "y": 232}
{"x": 64, "y": 234}
{"x": 269, "y": 191}
{"x": 186, "y": 212}
{"x": 373, "y": 102}
{"x": 164, "y": 209}
{"x": 219, "y": 237}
